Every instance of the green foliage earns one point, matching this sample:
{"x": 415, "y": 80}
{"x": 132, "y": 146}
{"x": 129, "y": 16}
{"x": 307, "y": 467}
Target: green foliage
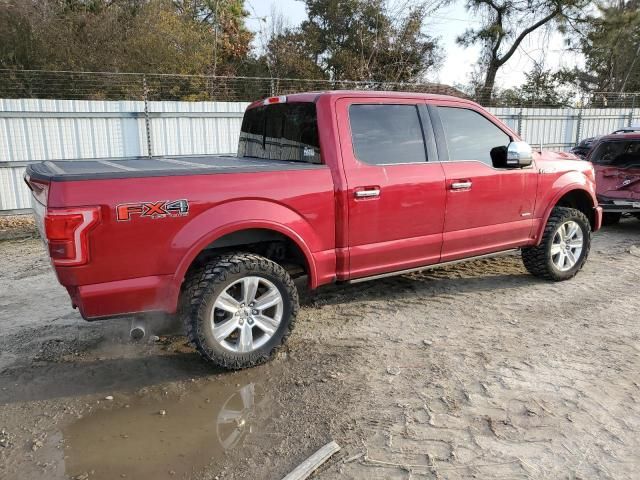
{"x": 160, "y": 36}
{"x": 610, "y": 42}
{"x": 541, "y": 88}
{"x": 193, "y": 37}
{"x": 354, "y": 40}
{"x": 506, "y": 23}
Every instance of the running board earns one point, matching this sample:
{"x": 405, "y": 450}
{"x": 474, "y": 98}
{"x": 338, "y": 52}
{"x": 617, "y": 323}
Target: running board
{"x": 433, "y": 266}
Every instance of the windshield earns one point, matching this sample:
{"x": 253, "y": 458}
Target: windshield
{"x": 623, "y": 154}
{"x": 283, "y": 131}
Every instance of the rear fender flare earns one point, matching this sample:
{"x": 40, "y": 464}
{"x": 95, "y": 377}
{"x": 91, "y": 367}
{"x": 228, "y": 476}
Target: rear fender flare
{"x": 234, "y": 216}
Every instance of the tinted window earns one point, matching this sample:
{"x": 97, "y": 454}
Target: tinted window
{"x": 470, "y": 136}
{"x": 622, "y": 154}
{"x": 386, "y": 134}
{"x": 285, "y": 131}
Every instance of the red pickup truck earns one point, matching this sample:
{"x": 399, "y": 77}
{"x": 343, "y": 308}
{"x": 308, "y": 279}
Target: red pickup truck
{"x": 335, "y": 186}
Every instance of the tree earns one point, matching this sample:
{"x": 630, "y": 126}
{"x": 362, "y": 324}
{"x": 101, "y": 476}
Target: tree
{"x": 541, "y": 88}
{"x": 610, "y": 43}
{"x": 231, "y": 38}
{"x": 159, "y": 36}
{"x": 355, "y": 40}
{"x": 506, "y": 23}
{"x": 195, "y": 37}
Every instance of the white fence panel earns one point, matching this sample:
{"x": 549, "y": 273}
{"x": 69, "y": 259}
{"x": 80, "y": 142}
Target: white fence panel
{"x": 597, "y": 121}
{"x": 35, "y": 130}
{"x": 193, "y": 128}
{"x": 561, "y": 128}
{"x": 69, "y": 129}
{"x": 14, "y": 194}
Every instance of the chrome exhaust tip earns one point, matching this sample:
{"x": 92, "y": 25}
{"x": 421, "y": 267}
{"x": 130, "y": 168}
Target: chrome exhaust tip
{"x": 138, "y": 329}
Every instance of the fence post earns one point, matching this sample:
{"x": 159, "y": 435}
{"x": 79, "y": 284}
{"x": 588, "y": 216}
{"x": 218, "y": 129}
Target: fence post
{"x": 633, "y": 105}
{"x": 147, "y": 120}
{"x": 579, "y": 126}
{"x": 273, "y": 88}
{"x": 520, "y": 122}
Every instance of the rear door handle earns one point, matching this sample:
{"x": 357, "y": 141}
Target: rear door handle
{"x": 367, "y": 192}
{"x": 461, "y": 185}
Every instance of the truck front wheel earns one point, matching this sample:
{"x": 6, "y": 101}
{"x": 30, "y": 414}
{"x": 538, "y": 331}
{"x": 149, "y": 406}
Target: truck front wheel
{"x": 564, "y": 247}
{"x": 239, "y": 309}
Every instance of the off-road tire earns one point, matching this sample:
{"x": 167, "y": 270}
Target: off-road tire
{"x": 610, "y": 218}
{"x": 538, "y": 261}
{"x": 205, "y": 282}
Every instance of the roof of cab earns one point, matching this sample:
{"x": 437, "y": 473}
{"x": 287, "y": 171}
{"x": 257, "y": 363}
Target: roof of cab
{"x": 620, "y": 136}
{"x": 314, "y": 96}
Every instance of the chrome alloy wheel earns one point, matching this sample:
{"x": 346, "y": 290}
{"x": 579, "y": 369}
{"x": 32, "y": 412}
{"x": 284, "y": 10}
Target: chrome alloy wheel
{"x": 567, "y": 246}
{"x": 247, "y": 314}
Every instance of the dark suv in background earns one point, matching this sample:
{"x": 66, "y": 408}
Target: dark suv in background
{"x": 585, "y": 145}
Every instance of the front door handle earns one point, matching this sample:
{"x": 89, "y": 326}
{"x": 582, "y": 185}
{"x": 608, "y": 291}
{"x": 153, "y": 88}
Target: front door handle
{"x": 461, "y": 185}
{"x": 368, "y": 192}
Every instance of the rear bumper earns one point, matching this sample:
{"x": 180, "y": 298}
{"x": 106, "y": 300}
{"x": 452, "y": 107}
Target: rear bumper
{"x": 125, "y": 297}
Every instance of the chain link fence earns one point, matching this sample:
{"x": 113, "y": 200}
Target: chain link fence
{"x": 162, "y": 87}
{"x": 156, "y": 87}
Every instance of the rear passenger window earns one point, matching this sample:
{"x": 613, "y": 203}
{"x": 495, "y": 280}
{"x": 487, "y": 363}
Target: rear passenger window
{"x": 470, "y": 136}
{"x": 387, "y": 134}
{"x": 282, "y": 131}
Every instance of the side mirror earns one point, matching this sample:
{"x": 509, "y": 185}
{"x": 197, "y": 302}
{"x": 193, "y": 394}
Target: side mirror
{"x": 519, "y": 154}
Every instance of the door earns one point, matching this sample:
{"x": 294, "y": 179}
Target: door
{"x": 395, "y": 195}
{"x": 489, "y": 206}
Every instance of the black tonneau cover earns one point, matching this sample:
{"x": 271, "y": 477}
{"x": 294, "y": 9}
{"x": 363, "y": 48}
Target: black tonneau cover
{"x": 133, "y": 167}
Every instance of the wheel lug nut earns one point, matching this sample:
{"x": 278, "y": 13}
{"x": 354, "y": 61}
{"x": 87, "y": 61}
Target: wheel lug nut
{"x": 254, "y": 312}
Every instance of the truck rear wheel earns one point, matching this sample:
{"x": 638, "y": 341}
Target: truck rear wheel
{"x": 239, "y": 309}
{"x": 564, "y": 247}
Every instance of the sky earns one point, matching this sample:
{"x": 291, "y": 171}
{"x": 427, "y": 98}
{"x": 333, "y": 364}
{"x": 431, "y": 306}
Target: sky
{"x": 446, "y": 24}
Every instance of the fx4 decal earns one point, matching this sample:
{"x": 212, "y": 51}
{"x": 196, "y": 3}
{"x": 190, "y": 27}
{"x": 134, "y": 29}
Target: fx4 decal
{"x": 162, "y": 209}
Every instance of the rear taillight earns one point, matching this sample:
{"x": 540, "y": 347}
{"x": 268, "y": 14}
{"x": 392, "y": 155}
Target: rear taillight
{"x": 66, "y": 232}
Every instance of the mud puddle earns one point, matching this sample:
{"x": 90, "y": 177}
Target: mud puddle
{"x": 168, "y": 435}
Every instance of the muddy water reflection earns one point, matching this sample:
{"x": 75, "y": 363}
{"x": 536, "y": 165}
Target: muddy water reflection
{"x": 137, "y": 441}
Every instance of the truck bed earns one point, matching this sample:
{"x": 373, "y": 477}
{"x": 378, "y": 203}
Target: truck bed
{"x": 161, "y": 166}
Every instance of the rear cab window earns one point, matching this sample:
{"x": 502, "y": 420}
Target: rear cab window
{"x": 283, "y": 131}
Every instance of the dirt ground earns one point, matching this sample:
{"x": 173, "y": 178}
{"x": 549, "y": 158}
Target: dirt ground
{"x": 473, "y": 371}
